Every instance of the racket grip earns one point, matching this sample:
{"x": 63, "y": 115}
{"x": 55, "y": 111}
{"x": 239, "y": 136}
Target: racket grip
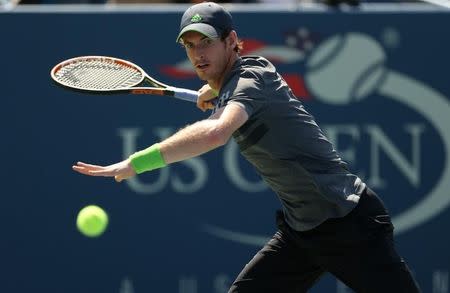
{"x": 185, "y": 94}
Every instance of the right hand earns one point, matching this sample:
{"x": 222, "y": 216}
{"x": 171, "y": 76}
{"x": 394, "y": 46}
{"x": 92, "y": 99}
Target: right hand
{"x": 205, "y": 96}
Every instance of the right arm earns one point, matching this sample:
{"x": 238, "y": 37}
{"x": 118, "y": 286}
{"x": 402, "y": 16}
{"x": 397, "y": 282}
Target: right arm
{"x": 204, "y": 135}
{"x": 188, "y": 142}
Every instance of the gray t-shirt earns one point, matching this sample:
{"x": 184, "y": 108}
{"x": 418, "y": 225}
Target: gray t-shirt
{"x": 287, "y": 147}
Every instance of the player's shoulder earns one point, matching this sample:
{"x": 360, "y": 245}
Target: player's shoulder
{"x": 249, "y": 72}
{"x": 257, "y": 63}
{"x": 255, "y": 67}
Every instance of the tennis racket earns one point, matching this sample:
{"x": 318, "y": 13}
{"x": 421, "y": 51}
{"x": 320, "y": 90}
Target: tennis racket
{"x": 109, "y": 75}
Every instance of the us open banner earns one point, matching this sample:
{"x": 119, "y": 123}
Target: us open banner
{"x": 376, "y": 79}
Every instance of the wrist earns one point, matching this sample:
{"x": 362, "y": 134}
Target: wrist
{"x": 147, "y": 160}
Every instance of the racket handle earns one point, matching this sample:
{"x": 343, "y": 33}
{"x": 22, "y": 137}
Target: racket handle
{"x": 185, "y": 94}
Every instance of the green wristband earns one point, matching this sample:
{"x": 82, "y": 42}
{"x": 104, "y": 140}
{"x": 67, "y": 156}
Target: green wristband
{"x": 147, "y": 160}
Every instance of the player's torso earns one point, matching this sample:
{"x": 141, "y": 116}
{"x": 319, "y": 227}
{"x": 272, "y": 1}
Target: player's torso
{"x": 289, "y": 150}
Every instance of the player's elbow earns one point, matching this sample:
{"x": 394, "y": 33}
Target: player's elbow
{"x": 219, "y": 136}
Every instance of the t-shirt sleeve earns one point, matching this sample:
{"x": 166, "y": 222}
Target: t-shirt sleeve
{"x": 245, "y": 90}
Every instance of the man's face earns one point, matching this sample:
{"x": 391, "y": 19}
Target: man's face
{"x": 208, "y": 56}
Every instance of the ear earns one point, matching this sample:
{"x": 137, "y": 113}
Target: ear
{"x": 232, "y": 38}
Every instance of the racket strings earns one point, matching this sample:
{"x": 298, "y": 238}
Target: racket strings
{"x": 99, "y": 75}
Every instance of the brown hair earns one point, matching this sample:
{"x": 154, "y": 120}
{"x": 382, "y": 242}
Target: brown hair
{"x": 240, "y": 44}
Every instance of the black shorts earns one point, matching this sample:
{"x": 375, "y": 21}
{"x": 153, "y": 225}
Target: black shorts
{"x": 358, "y": 249}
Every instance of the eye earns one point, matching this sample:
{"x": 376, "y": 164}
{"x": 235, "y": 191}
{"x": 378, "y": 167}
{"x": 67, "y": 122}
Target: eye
{"x": 207, "y": 42}
{"x": 185, "y": 45}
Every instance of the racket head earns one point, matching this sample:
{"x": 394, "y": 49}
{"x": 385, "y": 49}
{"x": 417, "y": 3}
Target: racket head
{"x": 100, "y": 74}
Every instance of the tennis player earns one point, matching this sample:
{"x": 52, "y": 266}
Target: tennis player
{"x": 330, "y": 220}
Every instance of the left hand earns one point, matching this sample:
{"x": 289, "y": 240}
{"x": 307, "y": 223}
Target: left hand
{"x": 120, "y": 171}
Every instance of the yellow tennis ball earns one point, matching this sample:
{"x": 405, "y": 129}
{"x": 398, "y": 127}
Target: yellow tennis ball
{"x": 92, "y": 221}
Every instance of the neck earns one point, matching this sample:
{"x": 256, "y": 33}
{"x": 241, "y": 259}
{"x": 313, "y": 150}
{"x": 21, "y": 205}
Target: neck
{"x": 217, "y": 84}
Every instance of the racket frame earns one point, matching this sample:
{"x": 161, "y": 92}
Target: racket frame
{"x": 161, "y": 89}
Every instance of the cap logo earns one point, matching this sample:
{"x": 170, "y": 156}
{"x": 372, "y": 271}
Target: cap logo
{"x": 196, "y": 18}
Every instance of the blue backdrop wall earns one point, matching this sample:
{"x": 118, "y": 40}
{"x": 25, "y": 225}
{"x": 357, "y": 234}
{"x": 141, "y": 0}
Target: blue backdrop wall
{"x": 376, "y": 80}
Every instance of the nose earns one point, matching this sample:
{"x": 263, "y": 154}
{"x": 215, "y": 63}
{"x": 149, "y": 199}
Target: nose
{"x": 199, "y": 55}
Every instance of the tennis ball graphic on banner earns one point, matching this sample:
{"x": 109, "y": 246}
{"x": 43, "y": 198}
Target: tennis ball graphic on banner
{"x": 92, "y": 221}
{"x": 345, "y": 68}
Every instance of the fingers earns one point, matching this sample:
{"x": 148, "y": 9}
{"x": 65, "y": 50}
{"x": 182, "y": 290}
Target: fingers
{"x": 205, "y": 105}
{"x": 105, "y": 173}
{"x": 206, "y": 95}
{"x": 120, "y": 171}
{"x": 81, "y": 170}
{"x": 201, "y": 106}
{"x": 102, "y": 173}
{"x": 84, "y": 166}
{"x": 86, "y": 171}
{"x": 93, "y": 170}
